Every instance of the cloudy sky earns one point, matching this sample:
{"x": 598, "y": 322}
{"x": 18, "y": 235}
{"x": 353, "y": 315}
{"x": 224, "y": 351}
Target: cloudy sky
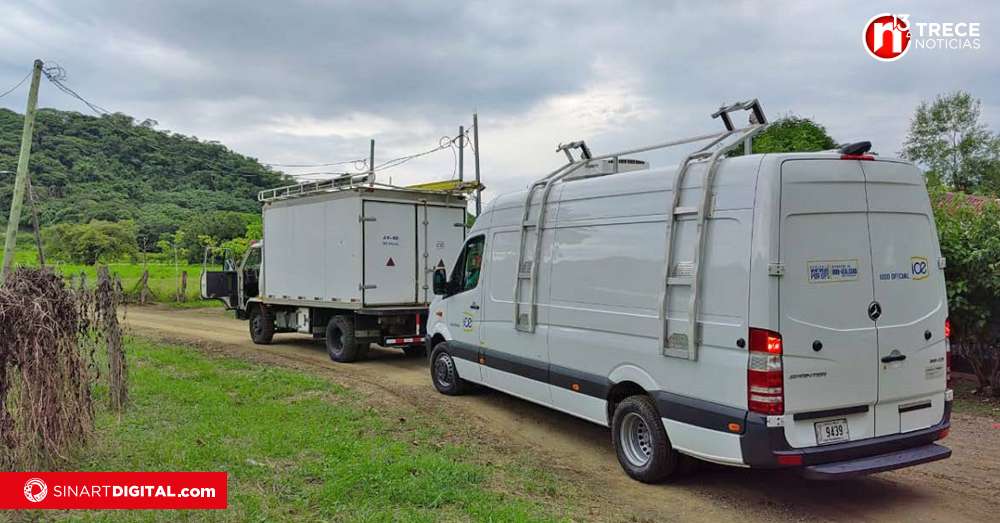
{"x": 311, "y": 81}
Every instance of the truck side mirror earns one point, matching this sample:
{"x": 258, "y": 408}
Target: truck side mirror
{"x": 440, "y": 282}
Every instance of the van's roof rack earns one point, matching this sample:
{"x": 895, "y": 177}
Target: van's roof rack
{"x": 682, "y": 342}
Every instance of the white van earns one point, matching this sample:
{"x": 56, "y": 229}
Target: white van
{"x": 814, "y": 280}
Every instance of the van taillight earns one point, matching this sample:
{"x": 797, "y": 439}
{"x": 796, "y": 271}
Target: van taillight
{"x": 765, "y": 381}
{"x": 947, "y": 352}
{"x": 864, "y": 157}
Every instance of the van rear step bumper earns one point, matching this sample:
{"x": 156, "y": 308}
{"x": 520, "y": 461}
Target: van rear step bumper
{"x": 881, "y": 463}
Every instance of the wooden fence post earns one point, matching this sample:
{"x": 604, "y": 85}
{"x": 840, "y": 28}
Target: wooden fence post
{"x": 107, "y": 301}
{"x": 184, "y": 285}
{"x": 144, "y": 287}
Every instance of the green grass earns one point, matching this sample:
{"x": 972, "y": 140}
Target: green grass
{"x": 161, "y": 276}
{"x": 297, "y": 448}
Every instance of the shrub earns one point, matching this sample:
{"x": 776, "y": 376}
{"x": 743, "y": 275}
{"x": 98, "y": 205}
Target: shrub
{"x": 970, "y": 240}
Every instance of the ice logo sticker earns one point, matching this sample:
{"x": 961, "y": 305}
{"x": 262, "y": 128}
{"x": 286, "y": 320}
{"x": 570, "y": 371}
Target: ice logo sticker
{"x": 29, "y": 488}
{"x": 918, "y": 268}
{"x": 887, "y": 37}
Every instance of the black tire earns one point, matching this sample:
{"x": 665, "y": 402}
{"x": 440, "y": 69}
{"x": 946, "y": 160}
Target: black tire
{"x": 261, "y": 324}
{"x": 444, "y": 374}
{"x": 415, "y": 351}
{"x": 641, "y": 442}
{"x": 341, "y": 344}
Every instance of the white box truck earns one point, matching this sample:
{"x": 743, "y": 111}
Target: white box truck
{"x": 343, "y": 259}
{"x": 779, "y": 310}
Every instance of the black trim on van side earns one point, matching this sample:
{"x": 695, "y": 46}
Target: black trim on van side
{"x": 464, "y": 351}
{"x": 589, "y": 384}
{"x": 763, "y": 445}
{"x": 699, "y": 413}
{"x": 524, "y": 367}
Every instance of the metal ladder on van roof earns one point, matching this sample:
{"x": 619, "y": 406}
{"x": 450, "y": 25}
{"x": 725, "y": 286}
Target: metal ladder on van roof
{"x": 526, "y": 312}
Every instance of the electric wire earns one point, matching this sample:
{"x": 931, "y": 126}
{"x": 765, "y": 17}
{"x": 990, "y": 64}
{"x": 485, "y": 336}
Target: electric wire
{"x": 19, "y": 84}
{"x": 57, "y": 74}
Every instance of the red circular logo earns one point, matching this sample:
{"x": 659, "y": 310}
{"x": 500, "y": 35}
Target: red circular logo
{"x": 887, "y": 36}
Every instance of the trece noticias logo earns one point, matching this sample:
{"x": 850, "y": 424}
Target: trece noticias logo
{"x": 887, "y": 37}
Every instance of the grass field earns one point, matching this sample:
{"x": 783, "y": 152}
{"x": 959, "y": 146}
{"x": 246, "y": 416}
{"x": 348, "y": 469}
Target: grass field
{"x": 162, "y": 279}
{"x": 297, "y": 448}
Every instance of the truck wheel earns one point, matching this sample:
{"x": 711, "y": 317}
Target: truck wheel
{"x": 261, "y": 325}
{"x": 444, "y": 374}
{"x": 415, "y": 351}
{"x": 641, "y": 442}
{"x": 341, "y": 344}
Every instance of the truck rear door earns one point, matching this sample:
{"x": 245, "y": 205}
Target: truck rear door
{"x": 910, "y": 291}
{"x": 445, "y": 232}
{"x": 390, "y": 253}
{"x": 830, "y": 344}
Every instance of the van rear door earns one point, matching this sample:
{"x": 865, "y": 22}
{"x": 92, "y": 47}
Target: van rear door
{"x": 910, "y": 290}
{"x": 830, "y": 344}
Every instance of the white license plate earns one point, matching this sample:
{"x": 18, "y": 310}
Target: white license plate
{"x": 831, "y": 431}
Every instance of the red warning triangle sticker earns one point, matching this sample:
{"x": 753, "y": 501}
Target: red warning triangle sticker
{"x": 390, "y": 263}
{"x": 441, "y": 263}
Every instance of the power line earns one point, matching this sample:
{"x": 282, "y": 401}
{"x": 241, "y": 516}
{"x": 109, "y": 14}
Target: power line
{"x": 56, "y": 75}
{"x": 12, "y": 89}
{"x": 360, "y": 160}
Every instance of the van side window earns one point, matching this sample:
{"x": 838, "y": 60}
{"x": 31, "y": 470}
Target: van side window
{"x": 465, "y": 275}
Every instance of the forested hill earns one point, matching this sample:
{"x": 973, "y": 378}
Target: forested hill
{"x": 111, "y": 168}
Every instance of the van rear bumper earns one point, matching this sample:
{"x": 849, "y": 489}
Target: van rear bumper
{"x": 766, "y": 447}
{"x": 880, "y": 463}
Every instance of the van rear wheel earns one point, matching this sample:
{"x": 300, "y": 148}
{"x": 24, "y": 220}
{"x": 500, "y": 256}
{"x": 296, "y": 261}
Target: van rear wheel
{"x": 341, "y": 344}
{"x": 641, "y": 442}
{"x": 444, "y": 374}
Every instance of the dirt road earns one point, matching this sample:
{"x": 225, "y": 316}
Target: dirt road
{"x": 963, "y": 488}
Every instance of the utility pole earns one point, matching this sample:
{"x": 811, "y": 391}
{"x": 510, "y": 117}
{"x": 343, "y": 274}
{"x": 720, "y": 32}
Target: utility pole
{"x": 371, "y": 163}
{"x": 461, "y": 156}
{"x": 22, "y": 173}
{"x": 34, "y": 220}
{"x": 475, "y": 147}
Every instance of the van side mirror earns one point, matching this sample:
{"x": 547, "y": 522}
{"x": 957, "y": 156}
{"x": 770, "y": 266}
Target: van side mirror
{"x": 440, "y": 282}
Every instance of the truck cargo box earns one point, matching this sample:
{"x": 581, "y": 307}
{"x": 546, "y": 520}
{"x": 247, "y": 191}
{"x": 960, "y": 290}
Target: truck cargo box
{"x": 358, "y": 248}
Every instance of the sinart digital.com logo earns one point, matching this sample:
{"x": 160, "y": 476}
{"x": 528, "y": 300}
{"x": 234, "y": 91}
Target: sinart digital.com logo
{"x": 29, "y": 490}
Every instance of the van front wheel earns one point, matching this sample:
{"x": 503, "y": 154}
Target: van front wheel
{"x": 444, "y": 374}
{"x": 641, "y": 442}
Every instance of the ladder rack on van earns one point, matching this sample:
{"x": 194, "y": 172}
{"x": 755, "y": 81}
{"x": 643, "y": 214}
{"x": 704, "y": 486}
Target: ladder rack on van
{"x": 680, "y": 344}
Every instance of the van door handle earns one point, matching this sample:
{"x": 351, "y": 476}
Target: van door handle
{"x": 897, "y": 357}
{"x": 474, "y": 306}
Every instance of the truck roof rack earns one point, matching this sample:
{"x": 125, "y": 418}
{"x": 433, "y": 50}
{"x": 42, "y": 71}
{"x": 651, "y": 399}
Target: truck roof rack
{"x": 340, "y": 183}
{"x": 683, "y": 342}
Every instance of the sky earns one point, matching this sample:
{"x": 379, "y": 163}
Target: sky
{"x": 312, "y": 81}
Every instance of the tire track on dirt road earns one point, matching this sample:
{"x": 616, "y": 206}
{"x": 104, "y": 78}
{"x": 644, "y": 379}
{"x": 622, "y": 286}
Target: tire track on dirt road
{"x": 963, "y": 488}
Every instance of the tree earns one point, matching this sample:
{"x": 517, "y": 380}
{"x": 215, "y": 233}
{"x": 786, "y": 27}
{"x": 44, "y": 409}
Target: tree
{"x": 213, "y": 229}
{"x": 790, "y": 134}
{"x": 947, "y": 138}
{"x": 970, "y": 240}
{"x": 89, "y": 243}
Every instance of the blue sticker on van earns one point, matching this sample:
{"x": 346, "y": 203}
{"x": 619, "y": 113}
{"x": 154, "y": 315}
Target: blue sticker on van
{"x": 832, "y": 271}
